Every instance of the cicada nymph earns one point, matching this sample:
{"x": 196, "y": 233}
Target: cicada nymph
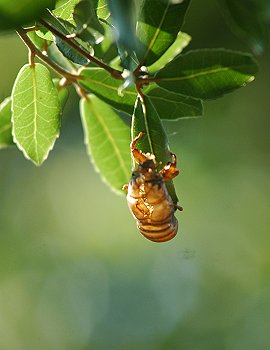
{"x": 148, "y": 198}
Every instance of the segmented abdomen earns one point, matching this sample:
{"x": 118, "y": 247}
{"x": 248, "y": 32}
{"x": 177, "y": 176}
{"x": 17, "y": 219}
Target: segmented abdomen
{"x": 153, "y": 208}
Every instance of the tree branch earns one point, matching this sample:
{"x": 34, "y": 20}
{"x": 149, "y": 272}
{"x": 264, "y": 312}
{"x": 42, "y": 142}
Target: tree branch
{"x": 114, "y": 72}
{"x": 35, "y": 51}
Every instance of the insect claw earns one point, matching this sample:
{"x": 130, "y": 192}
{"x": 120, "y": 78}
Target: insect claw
{"x": 179, "y": 207}
{"x": 125, "y": 187}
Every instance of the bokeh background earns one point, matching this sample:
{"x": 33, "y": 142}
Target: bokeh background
{"x": 75, "y": 274}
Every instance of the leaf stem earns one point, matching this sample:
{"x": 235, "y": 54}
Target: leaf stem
{"x": 36, "y": 52}
{"x": 114, "y": 72}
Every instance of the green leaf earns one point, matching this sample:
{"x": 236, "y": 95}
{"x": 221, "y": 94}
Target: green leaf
{"x": 172, "y": 106}
{"x": 207, "y": 74}
{"x": 175, "y": 49}
{"x": 66, "y": 10}
{"x": 66, "y": 28}
{"x": 107, "y": 138}
{"x": 248, "y": 19}
{"x": 103, "y": 85}
{"x": 19, "y": 12}
{"x": 62, "y": 93}
{"x": 5, "y": 123}
{"x": 103, "y": 9}
{"x": 159, "y": 23}
{"x": 36, "y": 110}
{"x": 88, "y": 26}
{"x": 124, "y": 20}
{"x": 145, "y": 119}
{"x": 41, "y": 43}
{"x": 56, "y": 56}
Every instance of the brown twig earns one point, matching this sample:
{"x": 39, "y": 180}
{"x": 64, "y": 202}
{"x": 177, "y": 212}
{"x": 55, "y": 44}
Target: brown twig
{"x": 36, "y": 52}
{"x": 114, "y": 72}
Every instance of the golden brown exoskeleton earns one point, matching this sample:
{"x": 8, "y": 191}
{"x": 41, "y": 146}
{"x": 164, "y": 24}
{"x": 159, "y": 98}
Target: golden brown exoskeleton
{"x": 148, "y": 198}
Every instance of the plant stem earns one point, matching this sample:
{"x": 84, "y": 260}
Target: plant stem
{"x": 114, "y": 72}
{"x": 34, "y": 51}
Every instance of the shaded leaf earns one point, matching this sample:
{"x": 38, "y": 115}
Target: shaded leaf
{"x": 175, "y": 49}
{"x": 66, "y": 28}
{"x": 172, "y": 106}
{"x": 159, "y": 23}
{"x": 248, "y": 19}
{"x": 107, "y": 138}
{"x": 55, "y": 55}
{"x": 5, "y": 123}
{"x": 36, "y": 110}
{"x": 103, "y": 85}
{"x": 19, "y": 12}
{"x": 88, "y": 27}
{"x": 123, "y": 14}
{"x": 207, "y": 74}
{"x": 145, "y": 119}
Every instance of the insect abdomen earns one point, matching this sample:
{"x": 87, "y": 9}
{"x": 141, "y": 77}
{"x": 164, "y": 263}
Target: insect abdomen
{"x": 153, "y": 209}
{"x": 157, "y": 232}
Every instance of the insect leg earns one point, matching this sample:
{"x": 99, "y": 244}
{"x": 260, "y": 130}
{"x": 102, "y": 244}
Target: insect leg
{"x": 138, "y": 155}
{"x": 170, "y": 170}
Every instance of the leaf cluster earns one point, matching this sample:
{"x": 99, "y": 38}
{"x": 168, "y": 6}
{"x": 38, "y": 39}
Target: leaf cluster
{"x": 125, "y": 60}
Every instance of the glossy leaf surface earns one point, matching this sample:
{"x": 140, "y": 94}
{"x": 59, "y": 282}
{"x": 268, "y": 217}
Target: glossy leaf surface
{"x": 207, "y": 74}
{"x": 101, "y": 84}
{"x": 175, "y": 49}
{"x": 154, "y": 140}
{"x": 5, "y": 123}
{"x": 36, "y": 110}
{"x": 159, "y": 23}
{"x": 172, "y": 106}
{"x": 107, "y": 138}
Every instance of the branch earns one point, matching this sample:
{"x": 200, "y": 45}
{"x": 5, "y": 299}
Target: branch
{"x": 114, "y": 72}
{"x": 35, "y": 51}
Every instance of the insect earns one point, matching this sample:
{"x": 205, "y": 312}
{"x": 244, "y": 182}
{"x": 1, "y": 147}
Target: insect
{"x": 148, "y": 198}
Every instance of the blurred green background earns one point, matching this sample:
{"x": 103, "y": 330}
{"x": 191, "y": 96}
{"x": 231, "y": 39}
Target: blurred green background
{"x": 75, "y": 274}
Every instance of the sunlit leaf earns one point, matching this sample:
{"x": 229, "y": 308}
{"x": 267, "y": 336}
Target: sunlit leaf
{"x": 172, "y": 106}
{"x": 36, "y": 110}
{"x": 66, "y": 10}
{"x": 19, "y": 12}
{"x": 154, "y": 140}
{"x": 5, "y": 123}
{"x": 159, "y": 23}
{"x": 207, "y": 74}
{"x": 107, "y": 138}
{"x": 103, "y": 85}
{"x": 103, "y": 9}
{"x": 62, "y": 93}
{"x": 175, "y": 49}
